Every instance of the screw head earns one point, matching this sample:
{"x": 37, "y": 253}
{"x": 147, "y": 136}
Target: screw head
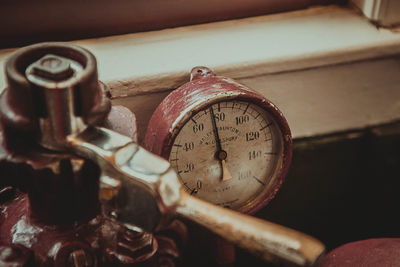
{"x": 136, "y": 245}
{"x": 221, "y": 155}
{"x": 53, "y": 67}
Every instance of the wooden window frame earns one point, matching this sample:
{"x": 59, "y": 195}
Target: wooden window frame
{"x": 24, "y": 22}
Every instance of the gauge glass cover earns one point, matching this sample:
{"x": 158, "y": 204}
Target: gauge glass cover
{"x": 251, "y": 145}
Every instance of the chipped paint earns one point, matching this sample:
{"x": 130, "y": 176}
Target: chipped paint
{"x": 24, "y": 233}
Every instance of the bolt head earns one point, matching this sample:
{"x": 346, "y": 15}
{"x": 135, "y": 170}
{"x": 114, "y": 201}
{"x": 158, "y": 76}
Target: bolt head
{"x": 137, "y": 245}
{"x": 53, "y": 67}
{"x": 221, "y": 155}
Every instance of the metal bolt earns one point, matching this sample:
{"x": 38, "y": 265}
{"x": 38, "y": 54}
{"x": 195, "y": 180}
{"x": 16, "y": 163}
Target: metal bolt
{"x": 80, "y": 258}
{"x": 53, "y": 67}
{"x": 133, "y": 236}
{"x": 136, "y": 244}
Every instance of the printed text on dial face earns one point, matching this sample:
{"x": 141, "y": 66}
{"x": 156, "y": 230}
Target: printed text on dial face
{"x": 251, "y": 141}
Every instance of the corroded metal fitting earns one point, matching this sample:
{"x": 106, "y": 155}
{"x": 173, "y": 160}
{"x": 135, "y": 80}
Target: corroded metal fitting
{"x": 42, "y": 78}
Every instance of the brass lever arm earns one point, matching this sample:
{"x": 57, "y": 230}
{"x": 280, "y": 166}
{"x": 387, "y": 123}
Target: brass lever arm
{"x": 272, "y": 242}
{"x": 150, "y": 193}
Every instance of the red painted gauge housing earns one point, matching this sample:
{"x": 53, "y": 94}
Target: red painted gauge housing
{"x": 203, "y": 90}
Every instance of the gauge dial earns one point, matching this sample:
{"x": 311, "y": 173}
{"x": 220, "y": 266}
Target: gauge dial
{"x": 226, "y": 154}
{"x": 229, "y": 145}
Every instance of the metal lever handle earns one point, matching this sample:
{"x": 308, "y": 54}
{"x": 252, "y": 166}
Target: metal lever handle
{"x": 272, "y": 242}
{"x": 162, "y": 194}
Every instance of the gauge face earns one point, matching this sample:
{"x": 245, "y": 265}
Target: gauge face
{"x": 229, "y": 145}
{"x": 227, "y": 153}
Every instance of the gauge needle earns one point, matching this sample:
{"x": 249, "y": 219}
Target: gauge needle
{"x": 221, "y": 154}
{"x": 226, "y": 175}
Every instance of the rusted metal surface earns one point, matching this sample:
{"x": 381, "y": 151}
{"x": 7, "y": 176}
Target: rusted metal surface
{"x": 54, "y": 221}
{"x": 97, "y": 242}
{"x": 20, "y": 115}
{"x": 59, "y": 222}
{"x": 50, "y": 213}
{"x": 367, "y": 253}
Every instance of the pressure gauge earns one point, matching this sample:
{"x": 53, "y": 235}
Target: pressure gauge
{"x": 230, "y": 145}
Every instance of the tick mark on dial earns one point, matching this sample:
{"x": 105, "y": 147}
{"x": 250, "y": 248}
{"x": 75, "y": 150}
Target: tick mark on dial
{"x": 194, "y": 191}
{"x": 270, "y": 153}
{"x": 178, "y": 145}
{"x": 195, "y": 122}
{"x": 258, "y": 180}
{"x": 185, "y": 184}
{"x": 269, "y": 124}
{"x": 244, "y": 112}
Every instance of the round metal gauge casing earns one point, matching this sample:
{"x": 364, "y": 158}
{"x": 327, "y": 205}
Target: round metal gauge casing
{"x": 230, "y": 145}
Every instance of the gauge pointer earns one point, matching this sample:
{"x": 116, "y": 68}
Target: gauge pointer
{"x": 221, "y": 154}
{"x": 226, "y": 175}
